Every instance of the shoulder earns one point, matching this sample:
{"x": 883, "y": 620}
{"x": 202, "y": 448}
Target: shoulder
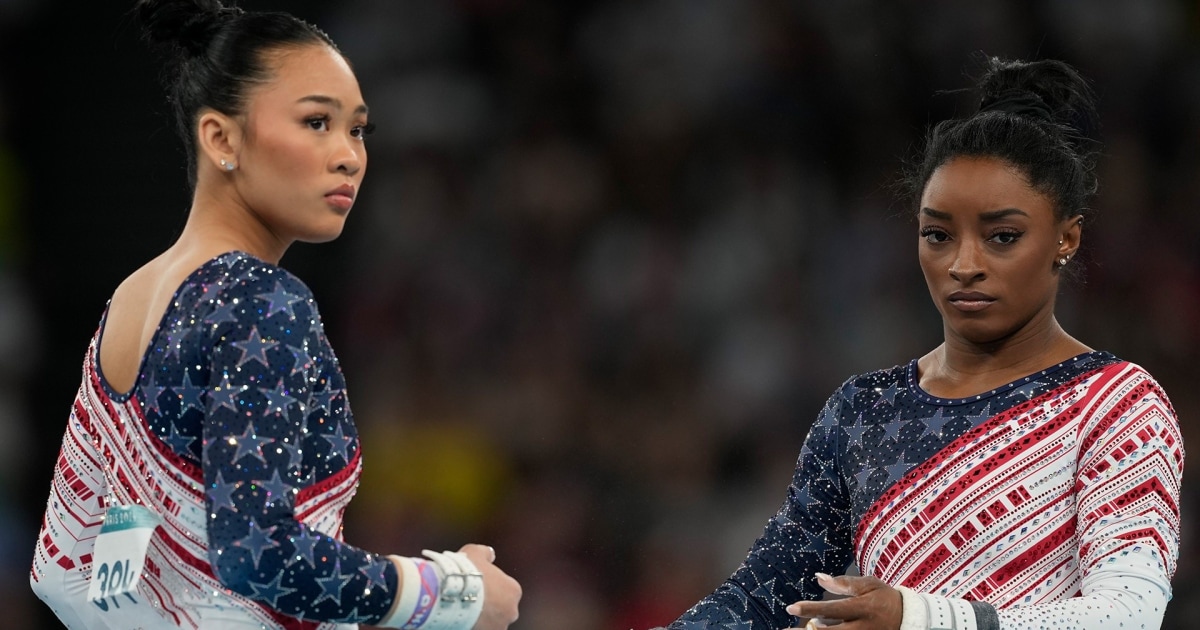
{"x": 1115, "y": 371}
{"x": 870, "y": 385}
{"x": 240, "y": 271}
{"x": 1119, "y": 387}
{"x": 1136, "y": 380}
{"x": 237, "y": 290}
{"x": 239, "y": 278}
{"x": 861, "y": 391}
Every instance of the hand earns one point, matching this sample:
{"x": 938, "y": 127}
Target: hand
{"x": 501, "y": 593}
{"x": 871, "y": 605}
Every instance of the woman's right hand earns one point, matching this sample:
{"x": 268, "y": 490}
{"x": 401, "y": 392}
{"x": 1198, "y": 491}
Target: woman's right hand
{"x": 501, "y": 593}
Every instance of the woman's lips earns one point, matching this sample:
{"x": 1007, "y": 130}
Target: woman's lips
{"x": 970, "y": 302}
{"x": 342, "y": 202}
{"x": 341, "y": 197}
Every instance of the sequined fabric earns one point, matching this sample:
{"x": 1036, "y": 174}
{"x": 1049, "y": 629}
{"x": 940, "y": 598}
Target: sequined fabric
{"x": 1035, "y": 498}
{"x": 239, "y": 433}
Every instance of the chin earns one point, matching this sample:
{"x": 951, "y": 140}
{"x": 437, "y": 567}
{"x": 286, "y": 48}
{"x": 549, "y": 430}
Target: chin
{"x": 328, "y": 230}
{"x": 981, "y": 335}
{"x": 322, "y": 236}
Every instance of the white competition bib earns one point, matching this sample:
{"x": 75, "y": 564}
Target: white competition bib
{"x": 120, "y": 552}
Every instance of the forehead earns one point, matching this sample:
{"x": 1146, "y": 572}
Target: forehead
{"x": 299, "y": 71}
{"x": 982, "y": 184}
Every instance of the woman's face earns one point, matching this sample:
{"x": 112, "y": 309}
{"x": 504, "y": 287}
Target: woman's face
{"x": 988, "y": 248}
{"x": 303, "y": 158}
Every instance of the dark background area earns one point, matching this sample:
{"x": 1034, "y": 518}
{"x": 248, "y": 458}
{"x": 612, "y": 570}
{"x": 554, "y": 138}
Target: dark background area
{"x": 609, "y": 260}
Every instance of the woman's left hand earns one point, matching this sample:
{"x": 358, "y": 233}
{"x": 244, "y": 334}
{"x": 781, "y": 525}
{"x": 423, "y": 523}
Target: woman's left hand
{"x": 871, "y": 604}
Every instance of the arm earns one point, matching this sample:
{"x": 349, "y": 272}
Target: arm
{"x": 1130, "y": 468}
{"x": 260, "y": 432}
{"x": 74, "y": 514}
{"x": 810, "y": 533}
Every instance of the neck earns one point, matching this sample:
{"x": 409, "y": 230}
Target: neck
{"x": 220, "y": 221}
{"x": 1041, "y": 344}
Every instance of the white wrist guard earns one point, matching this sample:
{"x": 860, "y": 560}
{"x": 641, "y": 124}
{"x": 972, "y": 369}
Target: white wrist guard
{"x": 914, "y": 616}
{"x": 444, "y": 593}
{"x": 923, "y": 611}
{"x": 461, "y": 598}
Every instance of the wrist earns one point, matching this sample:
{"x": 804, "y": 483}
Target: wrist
{"x": 417, "y": 590}
{"x": 923, "y": 611}
{"x": 443, "y": 591}
{"x": 914, "y": 615}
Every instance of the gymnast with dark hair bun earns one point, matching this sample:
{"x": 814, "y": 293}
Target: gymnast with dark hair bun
{"x": 1013, "y": 477}
{"x": 210, "y": 450}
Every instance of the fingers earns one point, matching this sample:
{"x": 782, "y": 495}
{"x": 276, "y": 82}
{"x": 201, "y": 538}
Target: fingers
{"x": 833, "y": 609}
{"x": 479, "y": 553}
{"x": 814, "y": 624}
{"x": 869, "y": 601}
{"x": 848, "y": 584}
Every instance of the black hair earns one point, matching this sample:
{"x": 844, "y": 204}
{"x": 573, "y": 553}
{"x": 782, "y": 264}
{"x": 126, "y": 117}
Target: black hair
{"x": 215, "y": 54}
{"x": 1040, "y": 117}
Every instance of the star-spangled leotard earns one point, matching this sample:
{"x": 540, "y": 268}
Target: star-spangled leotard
{"x": 1052, "y": 502}
{"x": 238, "y": 433}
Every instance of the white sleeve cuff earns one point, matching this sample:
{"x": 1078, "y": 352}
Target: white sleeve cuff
{"x": 915, "y": 616}
{"x": 923, "y": 611}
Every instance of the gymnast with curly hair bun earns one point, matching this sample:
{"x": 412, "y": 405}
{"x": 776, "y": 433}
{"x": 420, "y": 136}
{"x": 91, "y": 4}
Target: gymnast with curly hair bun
{"x": 1011, "y": 478}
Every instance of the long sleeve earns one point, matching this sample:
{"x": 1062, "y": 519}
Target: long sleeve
{"x": 74, "y": 514}
{"x": 277, "y": 429}
{"x": 1128, "y": 487}
{"x": 809, "y": 533}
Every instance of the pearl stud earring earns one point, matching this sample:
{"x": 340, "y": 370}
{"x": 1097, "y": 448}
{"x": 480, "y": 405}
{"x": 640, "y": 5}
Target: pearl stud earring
{"x": 229, "y": 166}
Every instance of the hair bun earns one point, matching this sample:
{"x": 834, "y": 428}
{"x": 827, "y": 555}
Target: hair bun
{"x": 187, "y": 25}
{"x": 1045, "y": 89}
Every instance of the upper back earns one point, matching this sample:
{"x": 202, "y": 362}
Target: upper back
{"x": 136, "y": 311}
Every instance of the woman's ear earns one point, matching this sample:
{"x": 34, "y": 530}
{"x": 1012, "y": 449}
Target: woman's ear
{"x": 220, "y": 139}
{"x": 1070, "y": 236}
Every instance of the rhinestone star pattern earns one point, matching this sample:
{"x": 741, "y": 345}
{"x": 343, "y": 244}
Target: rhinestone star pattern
{"x": 241, "y": 383}
{"x": 872, "y": 431}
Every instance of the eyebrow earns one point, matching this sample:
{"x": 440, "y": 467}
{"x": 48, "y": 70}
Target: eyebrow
{"x": 991, "y": 215}
{"x": 329, "y": 100}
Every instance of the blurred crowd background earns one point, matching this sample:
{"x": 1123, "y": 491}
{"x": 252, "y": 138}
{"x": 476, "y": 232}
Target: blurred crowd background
{"x": 609, "y": 260}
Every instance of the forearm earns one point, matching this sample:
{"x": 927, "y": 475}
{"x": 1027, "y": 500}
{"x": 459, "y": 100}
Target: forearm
{"x": 1125, "y": 600}
{"x": 61, "y": 569}
{"x": 730, "y": 604}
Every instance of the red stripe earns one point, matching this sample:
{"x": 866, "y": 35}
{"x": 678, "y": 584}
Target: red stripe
{"x": 1040, "y": 549}
{"x": 81, "y": 519}
{"x": 1126, "y": 402}
{"x": 164, "y": 597}
{"x": 186, "y": 557}
{"x": 326, "y": 485}
{"x": 977, "y": 593}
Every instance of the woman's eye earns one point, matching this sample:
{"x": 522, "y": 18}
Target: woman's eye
{"x": 362, "y": 131}
{"x": 934, "y": 235}
{"x": 318, "y": 124}
{"x": 1006, "y": 238}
